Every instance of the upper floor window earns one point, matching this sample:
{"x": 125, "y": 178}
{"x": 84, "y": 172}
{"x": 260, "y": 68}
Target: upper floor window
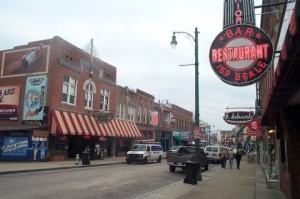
{"x": 145, "y": 116}
{"x": 139, "y": 118}
{"x": 104, "y": 100}
{"x": 88, "y": 96}
{"x": 149, "y": 116}
{"x": 131, "y": 113}
{"x": 120, "y": 111}
{"x": 69, "y": 90}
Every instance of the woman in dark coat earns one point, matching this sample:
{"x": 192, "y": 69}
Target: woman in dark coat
{"x": 238, "y": 158}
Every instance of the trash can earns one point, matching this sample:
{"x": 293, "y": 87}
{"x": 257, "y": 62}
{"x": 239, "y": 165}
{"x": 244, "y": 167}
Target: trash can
{"x": 101, "y": 155}
{"x": 191, "y": 172}
{"x": 85, "y": 158}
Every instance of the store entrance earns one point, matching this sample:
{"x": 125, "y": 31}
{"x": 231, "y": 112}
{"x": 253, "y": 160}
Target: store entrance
{"x": 91, "y": 144}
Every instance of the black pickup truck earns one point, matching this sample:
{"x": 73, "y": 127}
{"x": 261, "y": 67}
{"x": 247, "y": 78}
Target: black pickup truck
{"x": 178, "y": 155}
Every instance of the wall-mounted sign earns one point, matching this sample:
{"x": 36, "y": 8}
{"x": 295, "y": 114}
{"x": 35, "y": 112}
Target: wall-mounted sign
{"x": 35, "y": 98}
{"x": 241, "y": 54}
{"x": 238, "y": 117}
{"x": 238, "y": 12}
{"x": 9, "y": 102}
{"x": 254, "y": 128}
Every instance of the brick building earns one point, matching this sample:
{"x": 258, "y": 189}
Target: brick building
{"x": 57, "y": 101}
{"x": 279, "y": 100}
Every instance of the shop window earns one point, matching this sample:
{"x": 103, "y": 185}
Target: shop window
{"x": 59, "y": 148}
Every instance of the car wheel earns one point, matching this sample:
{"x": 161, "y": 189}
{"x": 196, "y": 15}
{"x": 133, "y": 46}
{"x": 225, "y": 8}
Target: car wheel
{"x": 159, "y": 159}
{"x": 172, "y": 169}
{"x": 145, "y": 160}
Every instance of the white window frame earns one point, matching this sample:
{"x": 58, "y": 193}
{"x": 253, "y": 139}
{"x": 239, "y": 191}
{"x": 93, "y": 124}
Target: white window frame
{"x": 104, "y": 100}
{"x": 88, "y": 96}
{"x": 120, "y": 111}
{"x": 131, "y": 113}
{"x": 145, "y": 116}
{"x": 69, "y": 90}
{"x": 139, "y": 118}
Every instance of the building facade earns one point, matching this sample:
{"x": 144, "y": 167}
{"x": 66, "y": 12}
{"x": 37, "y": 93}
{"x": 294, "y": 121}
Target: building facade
{"x": 279, "y": 101}
{"x": 57, "y": 101}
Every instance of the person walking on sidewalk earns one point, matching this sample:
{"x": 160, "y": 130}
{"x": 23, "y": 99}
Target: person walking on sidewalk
{"x": 223, "y": 158}
{"x": 231, "y": 158}
{"x": 238, "y": 158}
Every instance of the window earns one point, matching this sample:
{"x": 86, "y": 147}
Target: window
{"x": 104, "y": 100}
{"x": 120, "y": 111}
{"x": 131, "y": 113}
{"x": 145, "y": 116}
{"x": 88, "y": 97}
{"x": 149, "y": 116}
{"x": 69, "y": 90}
{"x": 139, "y": 115}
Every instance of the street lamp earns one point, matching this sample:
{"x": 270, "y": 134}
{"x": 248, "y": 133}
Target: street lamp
{"x": 174, "y": 44}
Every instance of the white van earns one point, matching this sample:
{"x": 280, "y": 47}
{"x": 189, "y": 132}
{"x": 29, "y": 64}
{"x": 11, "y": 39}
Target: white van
{"x": 145, "y": 153}
{"x": 213, "y": 152}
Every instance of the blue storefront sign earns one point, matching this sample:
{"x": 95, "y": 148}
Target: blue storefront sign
{"x": 14, "y": 146}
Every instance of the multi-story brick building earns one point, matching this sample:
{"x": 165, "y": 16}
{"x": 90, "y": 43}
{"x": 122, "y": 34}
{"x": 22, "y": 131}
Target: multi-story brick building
{"x": 279, "y": 99}
{"x": 57, "y": 100}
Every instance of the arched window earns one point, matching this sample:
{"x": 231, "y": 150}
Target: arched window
{"x": 88, "y": 97}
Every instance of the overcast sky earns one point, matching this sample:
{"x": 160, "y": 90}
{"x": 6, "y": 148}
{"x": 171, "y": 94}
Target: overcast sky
{"x": 134, "y": 36}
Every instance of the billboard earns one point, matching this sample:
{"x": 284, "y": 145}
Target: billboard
{"x": 9, "y": 102}
{"x": 35, "y": 98}
{"x": 24, "y": 62}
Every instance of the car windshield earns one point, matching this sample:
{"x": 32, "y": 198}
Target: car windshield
{"x": 139, "y": 148}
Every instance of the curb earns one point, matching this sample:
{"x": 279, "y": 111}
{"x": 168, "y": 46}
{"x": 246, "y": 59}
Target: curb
{"x": 58, "y": 168}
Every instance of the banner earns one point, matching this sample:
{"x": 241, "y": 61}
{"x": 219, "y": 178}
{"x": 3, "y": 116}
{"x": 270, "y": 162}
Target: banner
{"x": 9, "y": 102}
{"x": 35, "y": 98}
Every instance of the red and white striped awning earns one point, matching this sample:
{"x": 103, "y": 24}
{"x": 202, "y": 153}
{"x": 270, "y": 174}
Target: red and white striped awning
{"x": 68, "y": 123}
{"x": 74, "y": 124}
{"x": 120, "y": 128}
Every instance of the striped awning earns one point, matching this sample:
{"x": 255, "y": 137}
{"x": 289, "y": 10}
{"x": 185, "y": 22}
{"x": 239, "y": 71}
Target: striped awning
{"x": 74, "y": 124}
{"x": 120, "y": 128}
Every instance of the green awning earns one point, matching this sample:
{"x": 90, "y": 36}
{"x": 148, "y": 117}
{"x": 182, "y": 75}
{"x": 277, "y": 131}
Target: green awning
{"x": 178, "y": 138}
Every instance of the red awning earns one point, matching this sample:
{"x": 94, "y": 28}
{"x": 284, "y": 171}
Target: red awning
{"x": 120, "y": 128}
{"x": 74, "y": 124}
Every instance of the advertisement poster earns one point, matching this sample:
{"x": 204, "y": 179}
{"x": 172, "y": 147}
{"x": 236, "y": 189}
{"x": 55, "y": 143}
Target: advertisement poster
{"x": 9, "y": 102}
{"x": 15, "y": 146}
{"x": 35, "y": 98}
{"x": 24, "y": 62}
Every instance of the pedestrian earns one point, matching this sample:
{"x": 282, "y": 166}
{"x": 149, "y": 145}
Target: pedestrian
{"x": 223, "y": 158}
{"x": 238, "y": 158}
{"x": 231, "y": 158}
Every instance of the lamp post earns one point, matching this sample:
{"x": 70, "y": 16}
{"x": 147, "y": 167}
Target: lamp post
{"x": 174, "y": 44}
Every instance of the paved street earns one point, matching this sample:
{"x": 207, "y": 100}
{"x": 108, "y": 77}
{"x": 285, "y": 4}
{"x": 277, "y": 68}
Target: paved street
{"x": 111, "y": 181}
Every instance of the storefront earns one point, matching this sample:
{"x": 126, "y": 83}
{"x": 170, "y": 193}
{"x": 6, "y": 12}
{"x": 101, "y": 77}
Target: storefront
{"x": 74, "y": 133}
{"x": 24, "y": 145}
{"x": 165, "y": 139}
{"x": 269, "y": 158}
{"x": 181, "y": 137}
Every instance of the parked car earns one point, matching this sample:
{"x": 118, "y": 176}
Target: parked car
{"x": 145, "y": 153}
{"x": 213, "y": 152}
{"x": 178, "y": 155}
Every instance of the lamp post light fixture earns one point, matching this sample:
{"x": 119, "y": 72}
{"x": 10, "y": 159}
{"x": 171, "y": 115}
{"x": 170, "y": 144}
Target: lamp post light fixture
{"x": 174, "y": 44}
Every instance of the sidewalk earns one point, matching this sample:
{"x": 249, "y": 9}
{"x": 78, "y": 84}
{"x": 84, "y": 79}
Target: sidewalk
{"x": 246, "y": 183}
